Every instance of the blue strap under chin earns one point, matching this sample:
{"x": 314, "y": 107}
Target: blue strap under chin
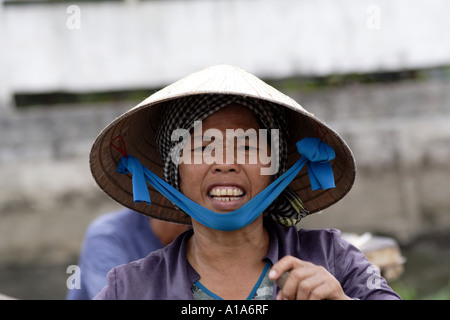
{"x": 315, "y": 153}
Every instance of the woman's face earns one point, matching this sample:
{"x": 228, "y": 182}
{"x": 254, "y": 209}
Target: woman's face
{"x": 224, "y": 185}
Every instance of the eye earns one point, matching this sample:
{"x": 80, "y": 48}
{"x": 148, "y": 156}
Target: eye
{"x": 202, "y": 147}
{"x": 199, "y": 149}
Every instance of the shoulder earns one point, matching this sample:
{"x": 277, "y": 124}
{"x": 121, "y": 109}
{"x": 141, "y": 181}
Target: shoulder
{"x": 329, "y": 246}
{"x": 307, "y": 242}
{"x": 131, "y": 281}
{"x": 293, "y": 232}
{"x": 328, "y": 241}
{"x": 322, "y": 236}
{"x": 313, "y": 245}
{"x": 146, "y": 278}
{"x": 158, "y": 261}
{"x": 115, "y": 219}
{"x": 322, "y": 246}
{"x": 110, "y": 222}
{"x": 118, "y": 227}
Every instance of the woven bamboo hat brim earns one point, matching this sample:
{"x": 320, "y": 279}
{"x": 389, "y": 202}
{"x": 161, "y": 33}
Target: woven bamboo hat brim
{"x": 135, "y": 130}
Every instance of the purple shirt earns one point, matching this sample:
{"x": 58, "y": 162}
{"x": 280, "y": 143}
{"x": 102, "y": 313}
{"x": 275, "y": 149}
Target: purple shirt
{"x": 167, "y": 275}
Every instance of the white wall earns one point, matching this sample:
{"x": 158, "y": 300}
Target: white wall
{"x": 134, "y": 44}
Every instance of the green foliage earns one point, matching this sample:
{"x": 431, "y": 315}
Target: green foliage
{"x": 408, "y": 292}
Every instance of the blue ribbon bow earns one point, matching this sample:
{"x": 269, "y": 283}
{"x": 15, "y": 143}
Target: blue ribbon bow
{"x": 315, "y": 153}
{"x": 319, "y": 155}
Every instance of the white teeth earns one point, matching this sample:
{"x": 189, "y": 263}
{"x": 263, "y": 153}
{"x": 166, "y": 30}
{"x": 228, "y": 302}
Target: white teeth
{"x": 226, "y": 193}
{"x": 226, "y": 199}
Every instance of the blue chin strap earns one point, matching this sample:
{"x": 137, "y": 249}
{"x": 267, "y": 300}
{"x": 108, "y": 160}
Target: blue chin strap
{"x": 315, "y": 153}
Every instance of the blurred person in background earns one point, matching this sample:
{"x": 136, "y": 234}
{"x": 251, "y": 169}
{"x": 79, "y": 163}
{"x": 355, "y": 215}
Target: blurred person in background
{"x": 118, "y": 238}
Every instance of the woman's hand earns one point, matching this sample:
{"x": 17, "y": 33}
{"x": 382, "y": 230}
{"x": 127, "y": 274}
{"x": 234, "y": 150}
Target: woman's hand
{"x": 306, "y": 281}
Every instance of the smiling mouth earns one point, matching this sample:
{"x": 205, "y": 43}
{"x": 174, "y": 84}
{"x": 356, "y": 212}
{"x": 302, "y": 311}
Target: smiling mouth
{"x": 226, "y": 194}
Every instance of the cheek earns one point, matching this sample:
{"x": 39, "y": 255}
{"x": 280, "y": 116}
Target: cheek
{"x": 259, "y": 181}
{"x": 266, "y": 180}
{"x": 190, "y": 175}
{"x": 182, "y": 177}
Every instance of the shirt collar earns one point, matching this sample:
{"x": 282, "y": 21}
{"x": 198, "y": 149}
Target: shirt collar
{"x": 185, "y": 271}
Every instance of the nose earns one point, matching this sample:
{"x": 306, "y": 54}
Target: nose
{"x": 225, "y": 168}
{"x": 221, "y": 162}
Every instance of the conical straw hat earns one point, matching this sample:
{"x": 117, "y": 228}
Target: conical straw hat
{"x": 135, "y": 130}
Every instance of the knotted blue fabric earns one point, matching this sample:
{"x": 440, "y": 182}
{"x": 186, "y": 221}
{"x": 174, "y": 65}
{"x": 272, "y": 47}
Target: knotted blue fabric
{"x": 315, "y": 153}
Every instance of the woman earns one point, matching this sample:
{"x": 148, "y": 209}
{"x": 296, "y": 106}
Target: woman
{"x": 233, "y": 151}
